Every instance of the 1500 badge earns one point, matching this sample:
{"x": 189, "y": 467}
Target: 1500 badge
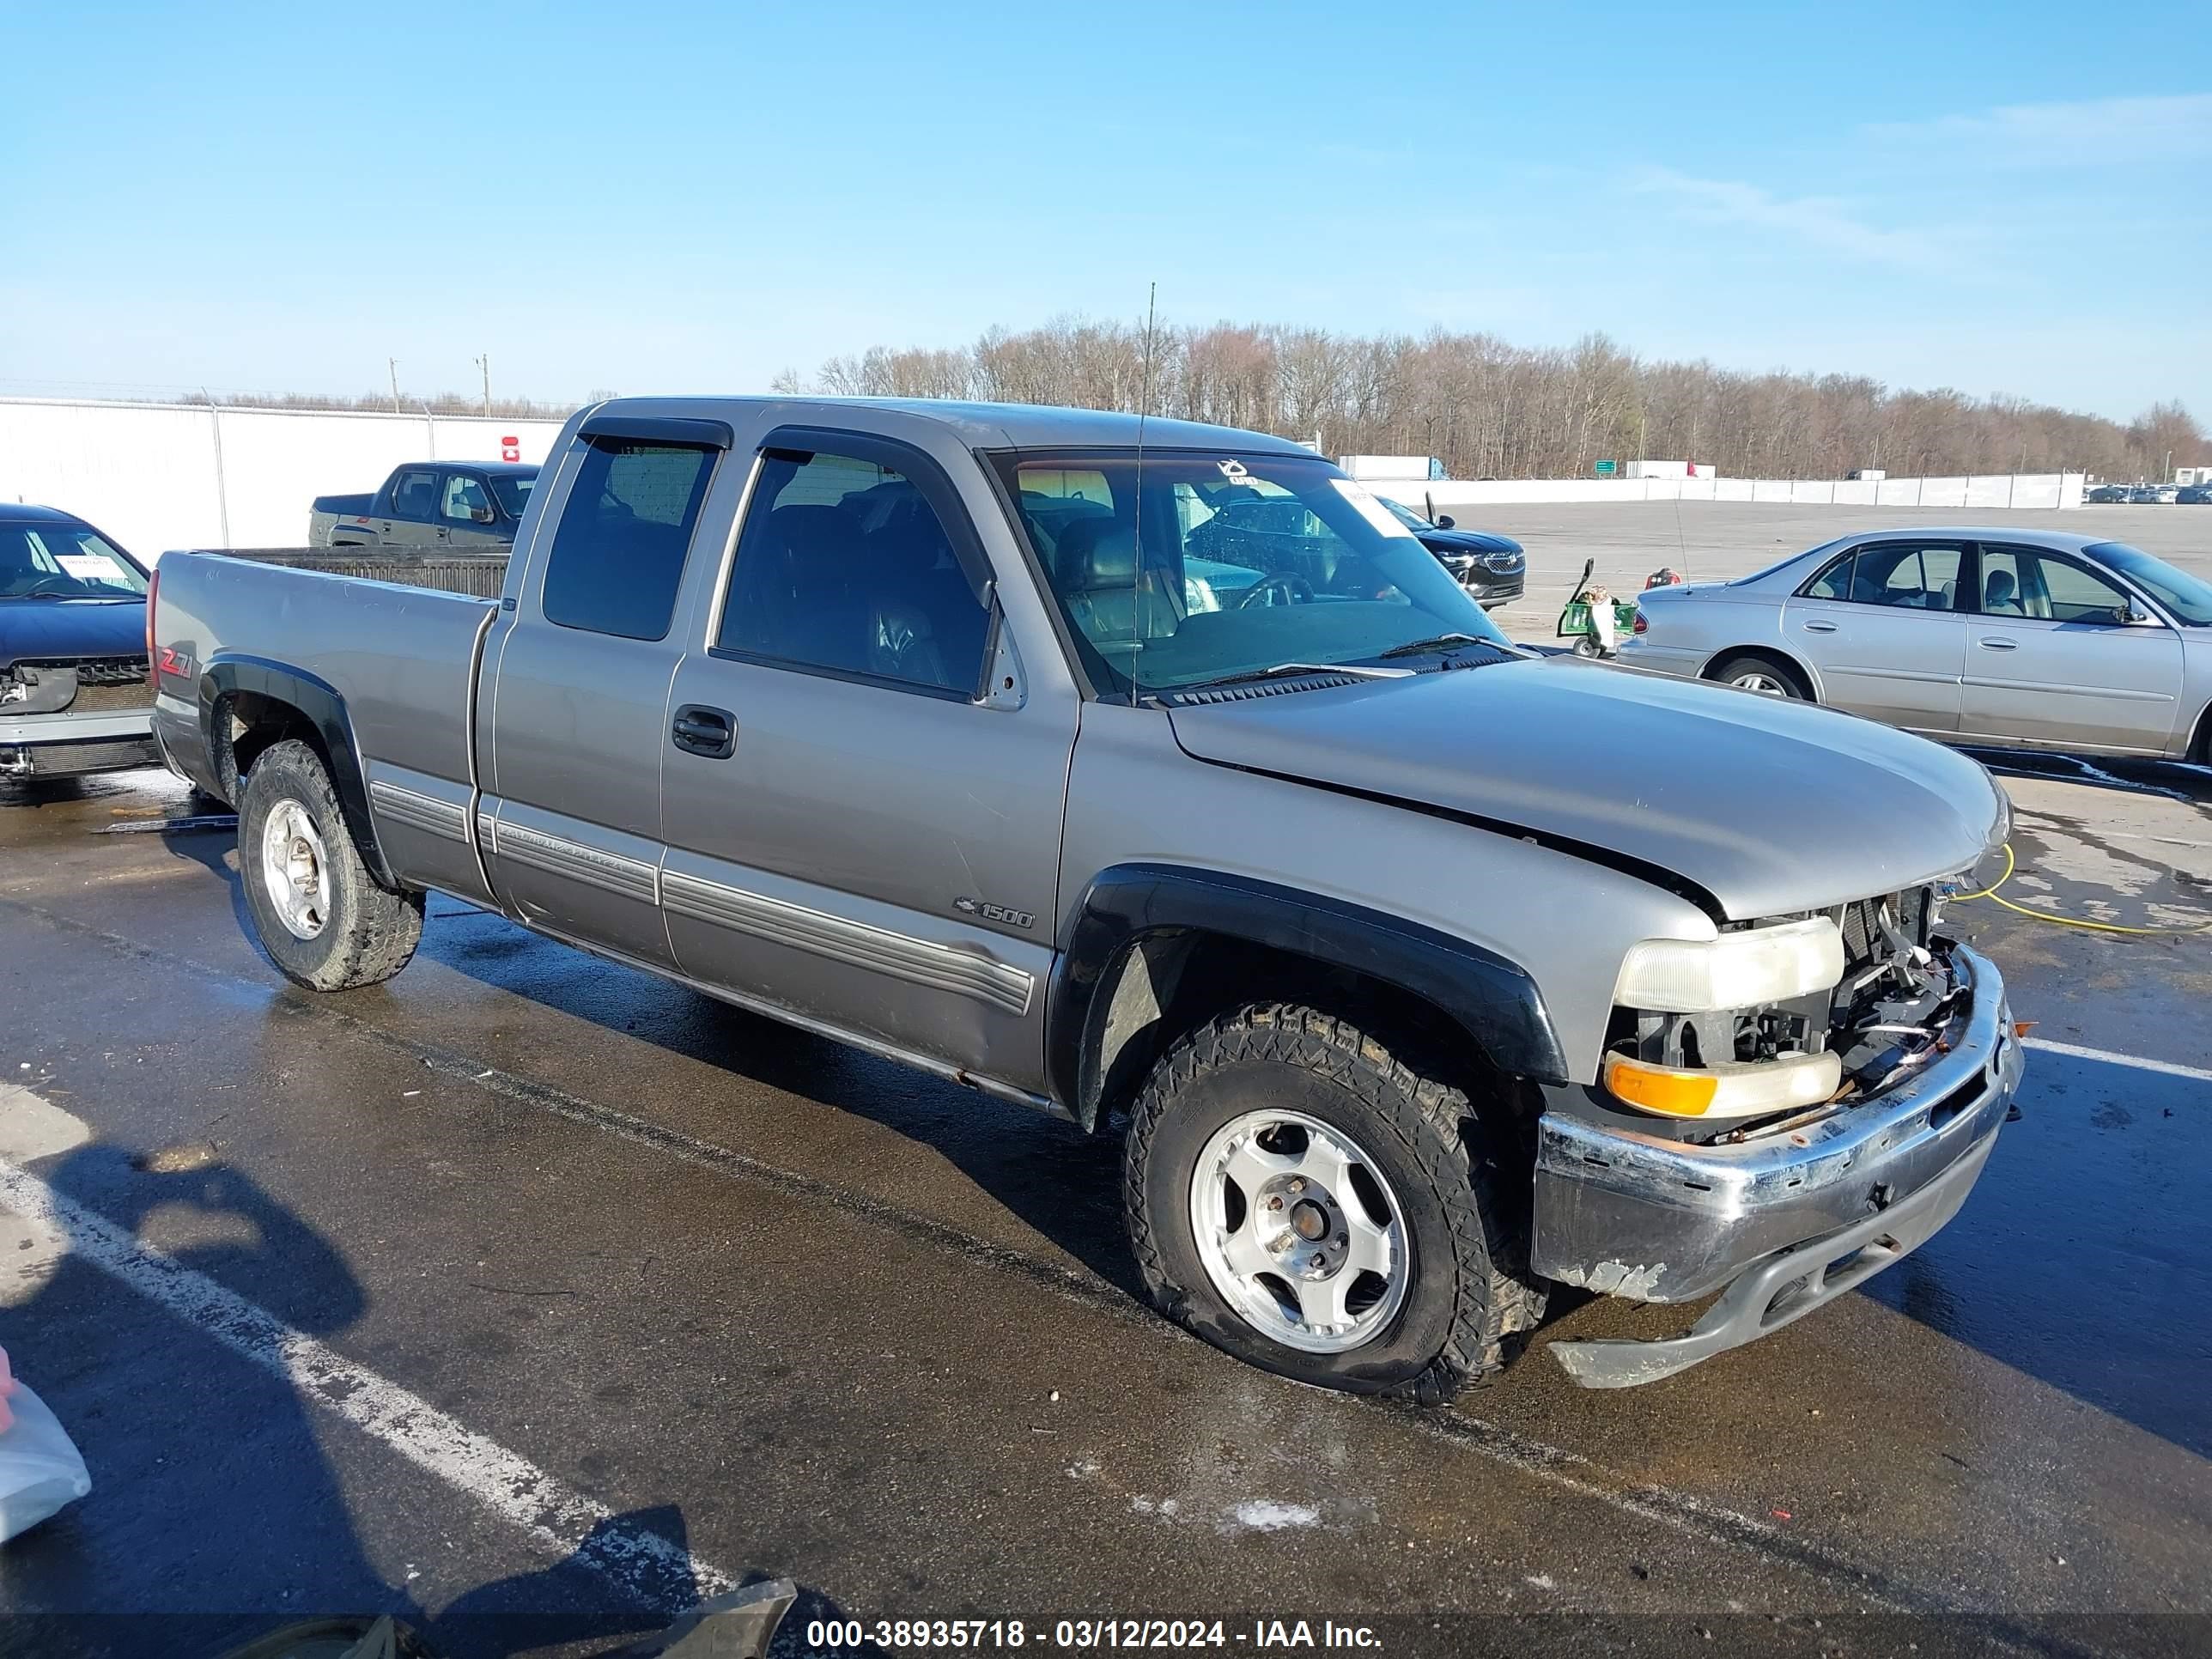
{"x": 968, "y": 907}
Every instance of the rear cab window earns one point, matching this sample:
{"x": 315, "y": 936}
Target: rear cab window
{"x": 414, "y": 494}
{"x": 618, "y": 550}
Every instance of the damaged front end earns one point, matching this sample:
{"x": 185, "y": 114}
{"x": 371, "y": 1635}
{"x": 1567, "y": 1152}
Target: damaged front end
{"x": 1810, "y": 1097}
{"x": 88, "y": 714}
{"x": 1862, "y": 1000}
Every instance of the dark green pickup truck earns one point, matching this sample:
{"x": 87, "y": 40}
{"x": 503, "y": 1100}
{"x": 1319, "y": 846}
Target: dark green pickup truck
{"x": 429, "y": 504}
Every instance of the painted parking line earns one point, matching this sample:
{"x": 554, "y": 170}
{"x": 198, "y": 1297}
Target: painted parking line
{"x": 563, "y": 1522}
{"x": 2164, "y": 1068}
{"x": 1681, "y": 1511}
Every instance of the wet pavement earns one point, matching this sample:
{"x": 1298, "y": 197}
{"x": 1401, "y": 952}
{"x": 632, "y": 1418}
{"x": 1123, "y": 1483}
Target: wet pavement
{"x": 529, "y": 1297}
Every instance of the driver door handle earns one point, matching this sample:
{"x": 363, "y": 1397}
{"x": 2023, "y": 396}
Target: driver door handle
{"x": 710, "y": 733}
{"x": 2000, "y": 645}
{"x": 1819, "y": 627}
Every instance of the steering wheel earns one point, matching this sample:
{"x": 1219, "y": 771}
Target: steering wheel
{"x": 33, "y": 591}
{"x": 1294, "y": 588}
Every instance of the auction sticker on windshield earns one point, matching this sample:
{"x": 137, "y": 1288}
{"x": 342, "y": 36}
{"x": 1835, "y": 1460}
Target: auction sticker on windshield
{"x": 1364, "y": 502}
{"x": 90, "y": 567}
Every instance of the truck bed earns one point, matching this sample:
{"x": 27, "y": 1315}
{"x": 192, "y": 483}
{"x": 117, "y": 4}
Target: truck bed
{"x": 322, "y": 518}
{"x": 402, "y": 661}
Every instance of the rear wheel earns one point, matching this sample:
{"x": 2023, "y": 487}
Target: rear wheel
{"x": 1306, "y": 1201}
{"x": 318, "y": 914}
{"x": 1765, "y": 675}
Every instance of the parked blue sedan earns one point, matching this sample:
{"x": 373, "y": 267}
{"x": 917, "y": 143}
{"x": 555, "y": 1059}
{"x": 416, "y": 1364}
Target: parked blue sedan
{"x": 74, "y": 692}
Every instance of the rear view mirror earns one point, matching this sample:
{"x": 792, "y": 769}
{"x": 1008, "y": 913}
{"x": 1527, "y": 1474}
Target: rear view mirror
{"x": 1444, "y": 523}
{"x": 483, "y": 514}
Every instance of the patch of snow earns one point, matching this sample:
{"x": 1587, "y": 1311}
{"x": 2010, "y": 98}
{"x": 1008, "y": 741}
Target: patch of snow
{"x": 1266, "y": 1515}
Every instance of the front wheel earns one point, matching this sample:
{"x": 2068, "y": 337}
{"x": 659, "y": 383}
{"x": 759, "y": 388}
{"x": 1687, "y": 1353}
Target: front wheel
{"x": 318, "y": 914}
{"x": 1304, "y": 1201}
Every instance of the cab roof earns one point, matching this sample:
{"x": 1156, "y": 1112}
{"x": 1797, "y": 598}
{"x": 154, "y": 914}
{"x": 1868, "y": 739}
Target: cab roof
{"x": 987, "y": 426}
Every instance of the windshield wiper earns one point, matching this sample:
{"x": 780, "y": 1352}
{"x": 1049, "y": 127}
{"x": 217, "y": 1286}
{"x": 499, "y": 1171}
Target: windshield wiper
{"x": 1441, "y": 642}
{"x": 1284, "y": 670}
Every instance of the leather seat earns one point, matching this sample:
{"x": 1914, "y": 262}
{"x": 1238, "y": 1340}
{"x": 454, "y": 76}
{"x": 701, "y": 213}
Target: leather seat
{"x": 1104, "y": 593}
{"x": 900, "y": 639}
{"x": 800, "y": 603}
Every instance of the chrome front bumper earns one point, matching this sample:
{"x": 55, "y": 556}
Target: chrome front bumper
{"x": 1788, "y": 1222}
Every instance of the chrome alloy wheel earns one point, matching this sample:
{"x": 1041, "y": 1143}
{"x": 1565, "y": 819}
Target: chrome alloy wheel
{"x": 293, "y": 872}
{"x": 1299, "y": 1231}
{"x": 1765, "y": 681}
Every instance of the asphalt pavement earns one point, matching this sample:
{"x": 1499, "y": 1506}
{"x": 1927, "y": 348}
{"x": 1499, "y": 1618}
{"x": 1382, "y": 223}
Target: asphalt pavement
{"x": 532, "y": 1297}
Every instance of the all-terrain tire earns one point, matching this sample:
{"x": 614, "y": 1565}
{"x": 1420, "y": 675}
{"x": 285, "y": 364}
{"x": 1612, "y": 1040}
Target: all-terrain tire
{"x": 1781, "y": 682}
{"x": 369, "y": 932}
{"x": 1470, "y": 1299}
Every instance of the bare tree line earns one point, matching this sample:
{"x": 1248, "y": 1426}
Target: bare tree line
{"x": 380, "y": 403}
{"x": 1492, "y": 410}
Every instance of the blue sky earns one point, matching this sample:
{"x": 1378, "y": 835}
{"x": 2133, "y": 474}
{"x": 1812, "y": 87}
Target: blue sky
{"x": 2005, "y": 199}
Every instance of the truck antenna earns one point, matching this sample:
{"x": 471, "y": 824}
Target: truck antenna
{"x": 1137, "y": 573}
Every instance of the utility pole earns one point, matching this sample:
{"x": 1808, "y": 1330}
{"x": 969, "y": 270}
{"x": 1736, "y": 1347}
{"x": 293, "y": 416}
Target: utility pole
{"x": 392, "y": 365}
{"x": 484, "y": 363}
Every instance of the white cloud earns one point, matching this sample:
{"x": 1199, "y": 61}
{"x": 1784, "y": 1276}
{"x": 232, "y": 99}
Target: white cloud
{"x": 2096, "y": 132}
{"x": 1826, "y": 222}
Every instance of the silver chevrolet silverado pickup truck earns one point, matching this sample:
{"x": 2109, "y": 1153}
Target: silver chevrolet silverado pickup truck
{"x": 1421, "y": 974}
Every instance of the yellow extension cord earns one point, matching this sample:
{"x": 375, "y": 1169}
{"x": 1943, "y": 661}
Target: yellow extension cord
{"x": 1989, "y": 893}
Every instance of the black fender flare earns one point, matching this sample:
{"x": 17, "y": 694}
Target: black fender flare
{"x": 319, "y": 702}
{"x": 1492, "y": 997}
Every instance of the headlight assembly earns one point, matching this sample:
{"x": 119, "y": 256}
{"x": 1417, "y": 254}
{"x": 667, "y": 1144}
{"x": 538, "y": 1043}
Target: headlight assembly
{"x": 1738, "y": 970}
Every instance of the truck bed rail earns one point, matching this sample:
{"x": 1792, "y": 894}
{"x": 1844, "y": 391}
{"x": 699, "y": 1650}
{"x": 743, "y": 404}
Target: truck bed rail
{"x": 477, "y": 575}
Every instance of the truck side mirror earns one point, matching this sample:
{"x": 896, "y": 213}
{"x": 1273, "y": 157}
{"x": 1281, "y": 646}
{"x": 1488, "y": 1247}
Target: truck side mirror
{"x": 1445, "y": 522}
{"x": 483, "y": 514}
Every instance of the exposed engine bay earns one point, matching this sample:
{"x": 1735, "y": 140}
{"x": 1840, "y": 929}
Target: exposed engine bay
{"x": 94, "y": 684}
{"x": 1883, "y": 1019}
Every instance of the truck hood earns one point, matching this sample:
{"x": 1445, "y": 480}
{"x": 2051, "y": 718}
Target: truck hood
{"x": 51, "y": 630}
{"x": 1768, "y": 806}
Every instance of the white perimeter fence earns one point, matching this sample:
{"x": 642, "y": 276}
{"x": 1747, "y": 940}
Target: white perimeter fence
{"x": 1993, "y": 491}
{"x": 159, "y": 476}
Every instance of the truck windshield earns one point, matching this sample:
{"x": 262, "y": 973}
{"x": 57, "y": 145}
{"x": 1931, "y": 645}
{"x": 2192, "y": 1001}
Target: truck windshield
{"x": 1228, "y": 565}
{"x": 64, "y": 562}
{"x": 513, "y": 490}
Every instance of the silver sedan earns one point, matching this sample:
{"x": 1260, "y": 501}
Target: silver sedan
{"x": 2025, "y": 639}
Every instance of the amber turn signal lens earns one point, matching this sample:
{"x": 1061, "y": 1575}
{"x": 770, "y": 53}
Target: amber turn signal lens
{"x": 1660, "y": 1088}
